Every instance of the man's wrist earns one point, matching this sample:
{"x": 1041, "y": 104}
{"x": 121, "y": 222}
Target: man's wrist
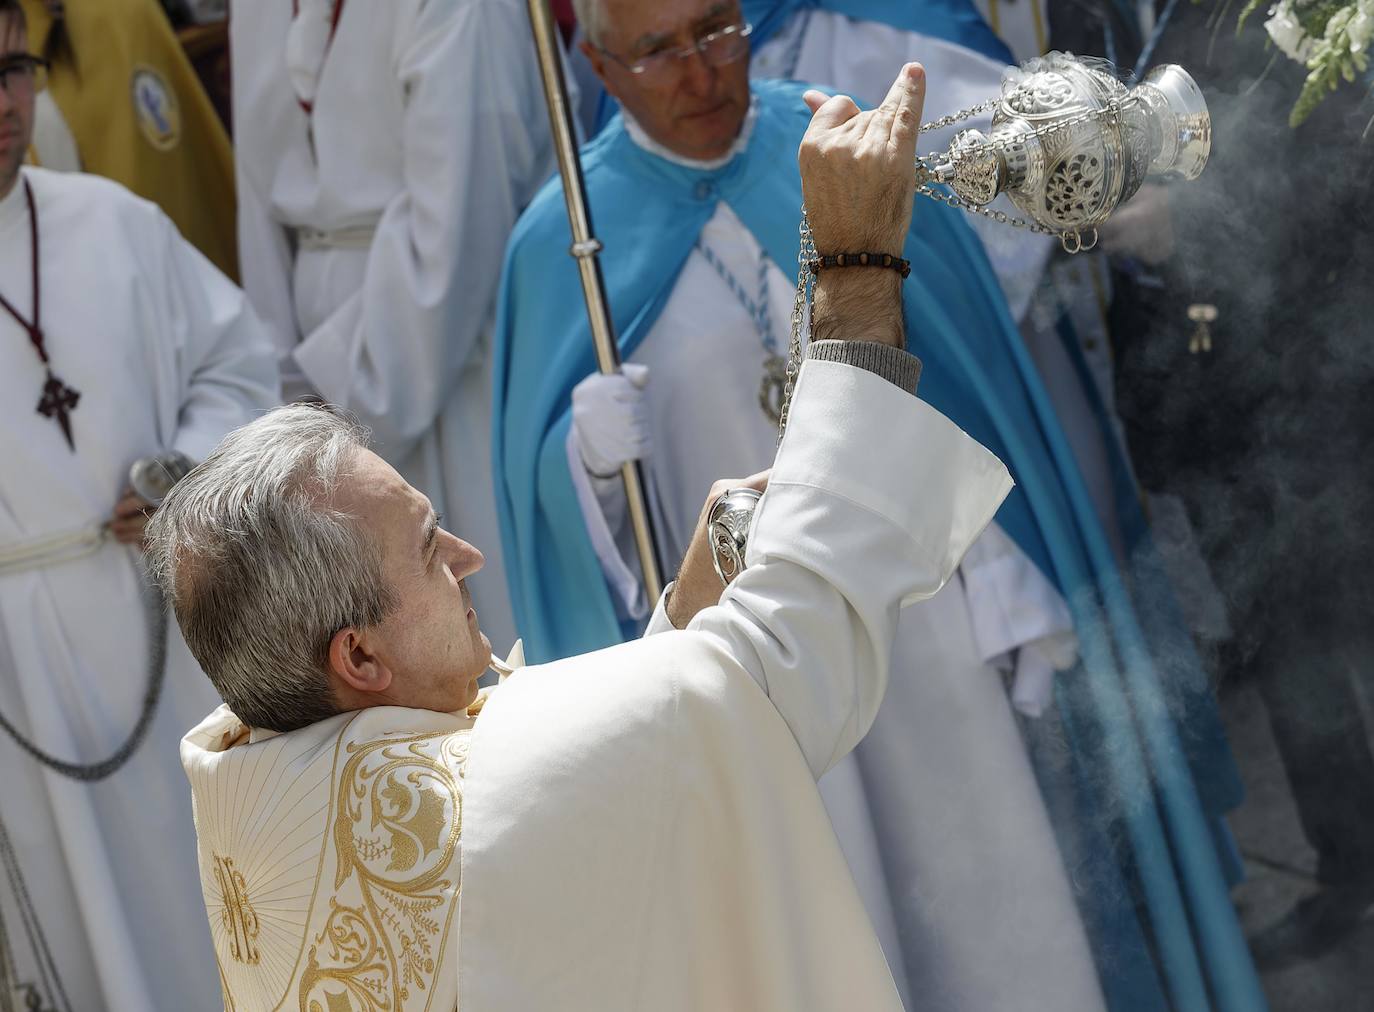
{"x": 858, "y": 304}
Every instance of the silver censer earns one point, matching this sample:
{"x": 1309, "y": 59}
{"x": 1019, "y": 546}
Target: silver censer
{"x": 1069, "y": 144}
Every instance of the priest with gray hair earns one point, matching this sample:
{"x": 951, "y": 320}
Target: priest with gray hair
{"x": 625, "y": 829}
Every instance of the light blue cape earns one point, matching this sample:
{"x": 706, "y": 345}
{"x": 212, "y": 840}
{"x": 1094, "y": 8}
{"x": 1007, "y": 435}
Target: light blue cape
{"x": 1133, "y": 739}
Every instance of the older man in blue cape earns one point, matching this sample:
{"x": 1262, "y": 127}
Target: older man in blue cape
{"x": 656, "y": 209}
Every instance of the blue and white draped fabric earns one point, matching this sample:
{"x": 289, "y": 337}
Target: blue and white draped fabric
{"x": 755, "y": 305}
{"x": 1159, "y": 782}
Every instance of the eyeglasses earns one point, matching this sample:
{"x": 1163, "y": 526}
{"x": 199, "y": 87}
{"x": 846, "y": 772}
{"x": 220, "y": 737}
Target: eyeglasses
{"x": 716, "y": 49}
{"x": 23, "y": 73}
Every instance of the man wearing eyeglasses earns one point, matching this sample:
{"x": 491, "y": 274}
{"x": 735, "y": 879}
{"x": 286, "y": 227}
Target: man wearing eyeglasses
{"x": 125, "y": 103}
{"x": 120, "y": 344}
{"x": 694, "y": 194}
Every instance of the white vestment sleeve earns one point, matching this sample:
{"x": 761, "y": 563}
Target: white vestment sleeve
{"x": 873, "y": 500}
{"x": 226, "y": 364}
{"x": 473, "y": 143}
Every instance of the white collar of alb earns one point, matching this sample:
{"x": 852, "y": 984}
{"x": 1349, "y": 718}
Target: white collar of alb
{"x": 647, "y": 143}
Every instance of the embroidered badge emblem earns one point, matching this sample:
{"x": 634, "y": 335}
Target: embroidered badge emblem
{"x": 155, "y": 108}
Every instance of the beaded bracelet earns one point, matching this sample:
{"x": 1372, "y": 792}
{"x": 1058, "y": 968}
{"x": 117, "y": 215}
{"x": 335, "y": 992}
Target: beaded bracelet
{"x": 902, "y": 267}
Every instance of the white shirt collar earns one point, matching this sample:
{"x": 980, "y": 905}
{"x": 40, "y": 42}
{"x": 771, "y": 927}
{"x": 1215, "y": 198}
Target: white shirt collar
{"x": 647, "y": 143}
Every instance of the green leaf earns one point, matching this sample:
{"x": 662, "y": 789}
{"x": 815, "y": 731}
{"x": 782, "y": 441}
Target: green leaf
{"x": 1250, "y": 7}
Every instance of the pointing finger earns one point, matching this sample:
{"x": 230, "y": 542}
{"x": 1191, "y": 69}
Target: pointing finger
{"x": 907, "y": 97}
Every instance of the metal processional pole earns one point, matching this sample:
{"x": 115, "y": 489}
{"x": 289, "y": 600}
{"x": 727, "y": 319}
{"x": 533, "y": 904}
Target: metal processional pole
{"x": 584, "y": 249}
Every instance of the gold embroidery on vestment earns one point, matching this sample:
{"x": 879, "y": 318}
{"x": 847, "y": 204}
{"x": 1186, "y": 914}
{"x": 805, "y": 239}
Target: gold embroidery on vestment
{"x": 396, "y": 828}
{"x": 236, "y": 912}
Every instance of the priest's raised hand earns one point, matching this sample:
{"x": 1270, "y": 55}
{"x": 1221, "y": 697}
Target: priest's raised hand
{"x": 856, "y": 167}
{"x": 856, "y": 170}
{"x": 633, "y": 828}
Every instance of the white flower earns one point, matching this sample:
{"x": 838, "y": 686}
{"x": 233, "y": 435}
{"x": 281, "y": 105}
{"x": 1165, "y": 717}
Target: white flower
{"x": 1287, "y": 32}
{"x": 1361, "y": 27}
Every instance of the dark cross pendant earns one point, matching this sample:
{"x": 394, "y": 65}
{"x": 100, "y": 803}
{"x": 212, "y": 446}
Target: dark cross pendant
{"x": 57, "y": 402}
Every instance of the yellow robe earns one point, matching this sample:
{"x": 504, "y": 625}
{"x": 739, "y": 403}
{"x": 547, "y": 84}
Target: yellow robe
{"x": 140, "y": 116}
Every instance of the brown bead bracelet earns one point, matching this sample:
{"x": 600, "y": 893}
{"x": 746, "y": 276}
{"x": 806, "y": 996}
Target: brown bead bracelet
{"x": 902, "y": 267}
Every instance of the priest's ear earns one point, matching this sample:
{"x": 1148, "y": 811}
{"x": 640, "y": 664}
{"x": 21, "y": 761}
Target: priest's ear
{"x": 356, "y": 669}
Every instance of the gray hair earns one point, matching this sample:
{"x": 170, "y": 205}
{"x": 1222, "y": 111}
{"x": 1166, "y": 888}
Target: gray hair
{"x": 262, "y": 571}
{"x": 591, "y": 17}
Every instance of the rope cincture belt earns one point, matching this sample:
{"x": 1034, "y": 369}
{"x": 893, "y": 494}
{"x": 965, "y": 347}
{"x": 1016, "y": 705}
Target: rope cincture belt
{"x": 69, "y": 546}
{"x": 50, "y": 549}
{"x": 357, "y": 237}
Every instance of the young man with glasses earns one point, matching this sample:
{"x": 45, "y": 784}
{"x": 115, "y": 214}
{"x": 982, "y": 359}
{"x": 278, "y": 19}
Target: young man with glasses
{"x": 120, "y": 344}
{"x": 124, "y": 102}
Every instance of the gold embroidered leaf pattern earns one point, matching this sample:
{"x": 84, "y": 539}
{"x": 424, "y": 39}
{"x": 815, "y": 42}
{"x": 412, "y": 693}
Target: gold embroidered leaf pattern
{"x": 415, "y": 818}
{"x": 396, "y": 833}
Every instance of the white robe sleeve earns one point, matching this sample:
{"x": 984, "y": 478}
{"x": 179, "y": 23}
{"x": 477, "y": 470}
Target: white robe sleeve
{"x": 226, "y": 366}
{"x": 872, "y": 502}
{"x": 474, "y": 147}
{"x": 1020, "y": 622}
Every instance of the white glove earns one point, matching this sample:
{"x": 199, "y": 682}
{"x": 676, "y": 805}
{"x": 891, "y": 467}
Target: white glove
{"x": 610, "y": 419}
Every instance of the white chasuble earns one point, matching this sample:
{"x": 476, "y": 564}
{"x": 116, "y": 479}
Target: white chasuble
{"x": 382, "y": 163}
{"x": 329, "y": 859}
{"x": 166, "y": 356}
{"x": 642, "y": 828}
{"x": 938, "y": 807}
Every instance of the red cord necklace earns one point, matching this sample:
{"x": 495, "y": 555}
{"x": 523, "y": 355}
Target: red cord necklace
{"x": 58, "y": 399}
